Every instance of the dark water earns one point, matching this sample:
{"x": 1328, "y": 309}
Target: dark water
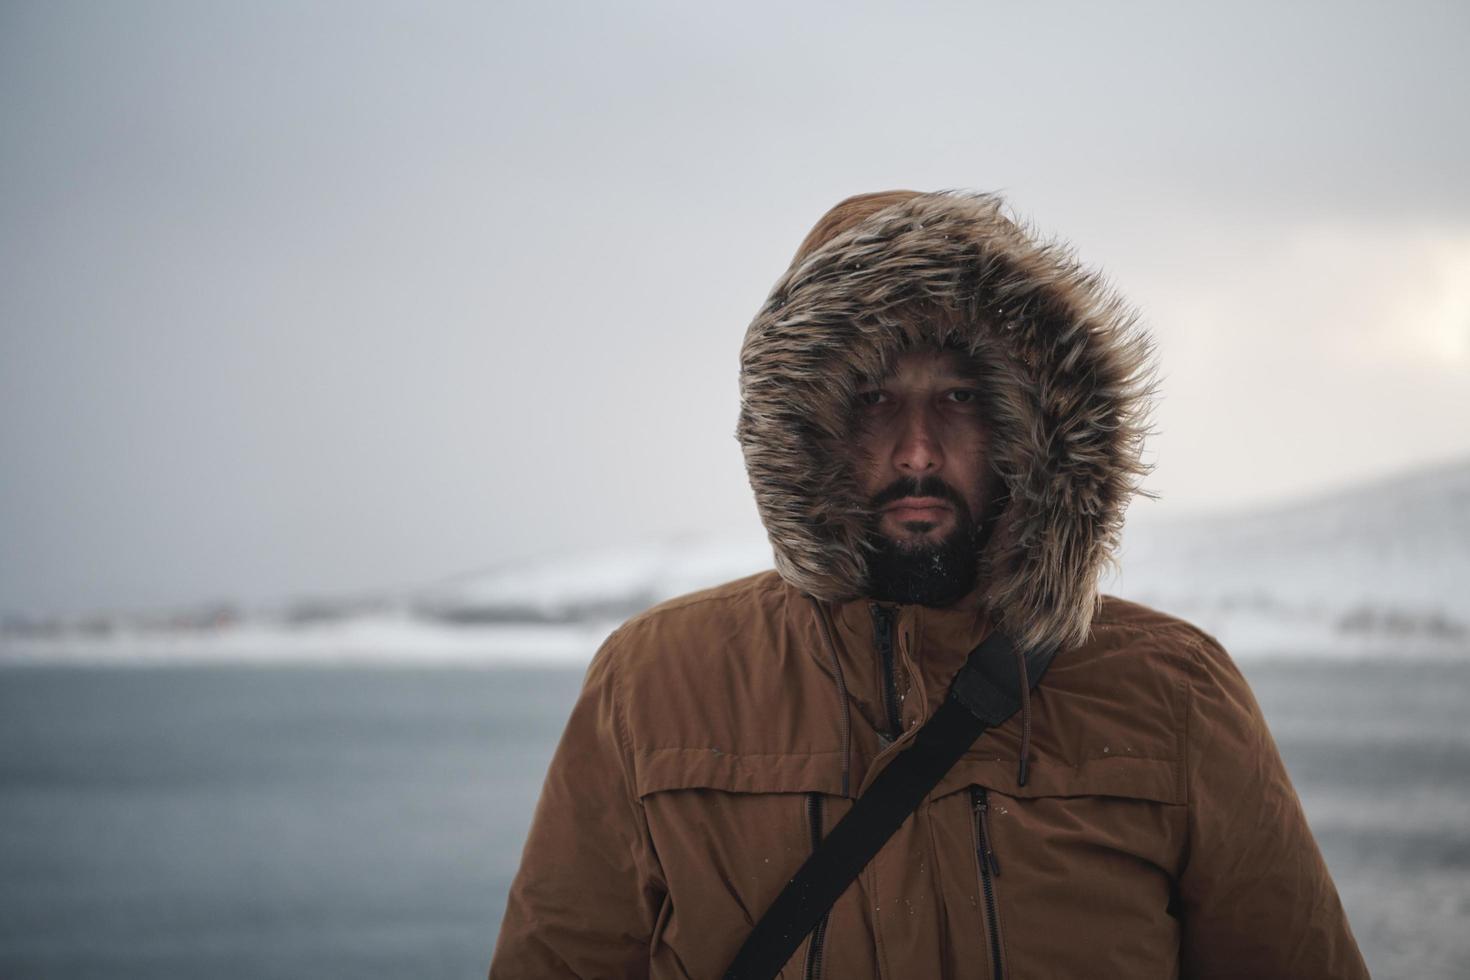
{"x": 336, "y": 822}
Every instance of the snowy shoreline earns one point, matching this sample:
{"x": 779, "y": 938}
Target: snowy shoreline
{"x": 402, "y": 640}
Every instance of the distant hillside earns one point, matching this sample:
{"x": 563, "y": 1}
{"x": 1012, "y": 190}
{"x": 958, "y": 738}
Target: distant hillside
{"x": 1381, "y": 569}
{"x": 613, "y": 583}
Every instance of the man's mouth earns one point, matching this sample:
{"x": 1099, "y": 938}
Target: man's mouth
{"x": 919, "y": 508}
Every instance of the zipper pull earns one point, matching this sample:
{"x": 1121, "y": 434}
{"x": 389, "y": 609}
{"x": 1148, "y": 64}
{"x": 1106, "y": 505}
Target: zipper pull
{"x": 982, "y": 807}
{"x": 883, "y": 622}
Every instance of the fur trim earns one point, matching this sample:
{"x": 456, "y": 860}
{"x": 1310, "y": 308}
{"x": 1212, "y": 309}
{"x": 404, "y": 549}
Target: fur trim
{"x": 1065, "y": 368}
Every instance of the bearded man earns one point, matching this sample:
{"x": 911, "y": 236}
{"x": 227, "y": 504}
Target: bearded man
{"x": 942, "y": 421}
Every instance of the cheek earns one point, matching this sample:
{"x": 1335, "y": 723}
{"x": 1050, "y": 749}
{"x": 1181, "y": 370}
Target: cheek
{"x": 969, "y": 450}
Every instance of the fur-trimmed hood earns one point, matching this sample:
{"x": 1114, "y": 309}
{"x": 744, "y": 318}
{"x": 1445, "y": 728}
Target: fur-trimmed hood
{"x": 1064, "y": 369}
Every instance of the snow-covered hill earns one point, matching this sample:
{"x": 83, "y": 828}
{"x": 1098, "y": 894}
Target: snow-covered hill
{"x": 1382, "y": 569}
{"x": 613, "y": 583}
{"x": 555, "y": 610}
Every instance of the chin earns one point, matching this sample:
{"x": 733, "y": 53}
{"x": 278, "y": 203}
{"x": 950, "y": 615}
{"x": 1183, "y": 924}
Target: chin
{"x": 917, "y": 533}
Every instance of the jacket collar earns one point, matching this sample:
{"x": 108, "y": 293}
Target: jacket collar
{"x": 935, "y": 642}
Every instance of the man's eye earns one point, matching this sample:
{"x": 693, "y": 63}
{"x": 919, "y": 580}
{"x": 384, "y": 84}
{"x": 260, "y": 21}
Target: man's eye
{"x": 964, "y": 396}
{"x": 870, "y": 397}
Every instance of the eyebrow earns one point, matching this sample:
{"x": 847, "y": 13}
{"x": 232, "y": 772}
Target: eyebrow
{"x": 948, "y": 377}
{"x": 969, "y": 370}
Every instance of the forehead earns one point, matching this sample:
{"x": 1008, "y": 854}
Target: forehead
{"x": 931, "y": 364}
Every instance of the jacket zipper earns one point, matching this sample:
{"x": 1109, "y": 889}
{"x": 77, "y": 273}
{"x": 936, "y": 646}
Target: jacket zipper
{"x": 883, "y": 638}
{"x": 819, "y": 935}
{"x": 989, "y": 871}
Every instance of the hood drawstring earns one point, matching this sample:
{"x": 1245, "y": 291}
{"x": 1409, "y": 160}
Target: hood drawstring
{"x": 824, "y": 622}
{"x": 1024, "y": 765}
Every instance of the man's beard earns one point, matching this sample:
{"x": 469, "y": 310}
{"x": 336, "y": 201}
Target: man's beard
{"x": 927, "y": 573}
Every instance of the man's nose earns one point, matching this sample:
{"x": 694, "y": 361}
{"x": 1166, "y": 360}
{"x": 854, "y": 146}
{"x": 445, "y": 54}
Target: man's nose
{"x": 918, "y": 450}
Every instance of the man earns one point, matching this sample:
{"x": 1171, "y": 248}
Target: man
{"x": 942, "y": 420}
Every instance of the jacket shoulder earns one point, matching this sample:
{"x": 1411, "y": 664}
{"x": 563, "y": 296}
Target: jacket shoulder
{"x": 709, "y": 668}
{"x": 1126, "y": 616}
{"x": 1123, "y": 621}
{"x": 729, "y": 609}
{"x": 702, "y": 629}
{"x": 1131, "y": 636}
{"x": 1169, "y": 645}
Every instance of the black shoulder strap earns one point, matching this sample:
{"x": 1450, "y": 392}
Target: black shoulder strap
{"x": 985, "y": 692}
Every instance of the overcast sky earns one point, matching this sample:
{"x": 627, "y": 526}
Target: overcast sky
{"x": 319, "y": 298}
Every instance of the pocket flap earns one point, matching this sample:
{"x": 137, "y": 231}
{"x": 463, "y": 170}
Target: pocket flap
{"x": 1132, "y": 777}
{"x": 658, "y": 770}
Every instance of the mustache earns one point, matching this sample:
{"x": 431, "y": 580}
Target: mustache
{"x": 914, "y": 486}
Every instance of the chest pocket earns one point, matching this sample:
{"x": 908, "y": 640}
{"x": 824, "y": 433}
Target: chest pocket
{"x": 729, "y": 831}
{"x": 1071, "y": 874}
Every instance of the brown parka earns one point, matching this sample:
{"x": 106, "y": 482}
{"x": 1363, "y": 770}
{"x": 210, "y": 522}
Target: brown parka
{"x": 719, "y": 736}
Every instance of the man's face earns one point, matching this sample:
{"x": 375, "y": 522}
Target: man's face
{"x": 922, "y": 442}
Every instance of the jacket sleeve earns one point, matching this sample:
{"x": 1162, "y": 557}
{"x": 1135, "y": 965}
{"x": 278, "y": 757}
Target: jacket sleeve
{"x": 586, "y": 897}
{"x": 1256, "y": 898}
